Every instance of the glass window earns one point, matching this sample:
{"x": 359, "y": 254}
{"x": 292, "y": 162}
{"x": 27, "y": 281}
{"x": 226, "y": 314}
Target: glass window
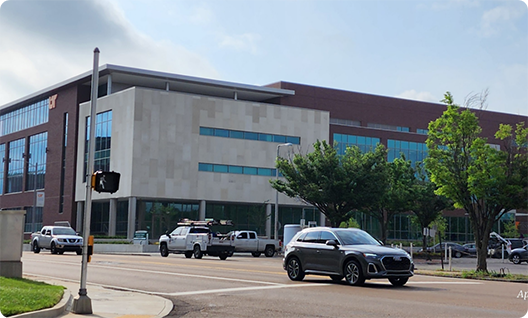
{"x": 219, "y": 168}
{"x": 312, "y": 237}
{"x": 293, "y": 140}
{"x": 264, "y": 172}
{"x": 236, "y": 134}
{"x": 15, "y": 167}
{"x": 103, "y": 135}
{"x": 325, "y": 236}
{"x": 236, "y": 169}
{"x": 265, "y": 137}
{"x": 25, "y": 117}
{"x": 205, "y": 167}
{"x": 250, "y": 170}
{"x": 250, "y": 135}
{"x": 221, "y": 132}
{"x": 278, "y": 138}
{"x": 2, "y": 158}
{"x": 37, "y": 161}
{"x": 206, "y": 131}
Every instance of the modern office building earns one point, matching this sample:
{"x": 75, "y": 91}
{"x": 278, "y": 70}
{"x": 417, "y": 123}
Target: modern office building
{"x": 401, "y": 126}
{"x": 195, "y": 148}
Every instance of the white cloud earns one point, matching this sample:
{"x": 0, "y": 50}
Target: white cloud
{"x": 496, "y": 19}
{"x": 420, "y": 96}
{"x": 242, "y": 42}
{"x": 37, "y": 51}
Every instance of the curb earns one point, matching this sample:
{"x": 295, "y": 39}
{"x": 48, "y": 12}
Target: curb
{"x": 55, "y": 311}
{"x": 167, "y": 309}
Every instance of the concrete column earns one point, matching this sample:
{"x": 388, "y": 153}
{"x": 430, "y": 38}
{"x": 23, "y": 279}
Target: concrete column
{"x": 80, "y": 217}
{"x": 109, "y": 85}
{"x": 112, "y": 218}
{"x": 268, "y": 220}
{"x": 132, "y": 202}
{"x": 11, "y": 239}
{"x": 201, "y": 216}
{"x": 322, "y": 219}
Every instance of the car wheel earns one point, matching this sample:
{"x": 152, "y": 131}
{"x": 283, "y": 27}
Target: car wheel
{"x": 458, "y": 254}
{"x": 398, "y": 281}
{"x": 188, "y": 254}
{"x": 294, "y": 269}
{"x": 61, "y": 252}
{"x": 79, "y": 252}
{"x": 53, "y": 248}
{"x": 270, "y": 251}
{"x": 36, "y": 248}
{"x": 223, "y": 257}
{"x": 336, "y": 278}
{"x": 197, "y": 252}
{"x": 516, "y": 259}
{"x": 255, "y": 254}
{"x": 353, "y": 274}
{"x": 164, "y": 250}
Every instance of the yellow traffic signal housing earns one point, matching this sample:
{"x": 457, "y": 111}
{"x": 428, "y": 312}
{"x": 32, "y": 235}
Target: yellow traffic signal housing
{"x": 90, "y": 247}
{"x": 105, "y": 181}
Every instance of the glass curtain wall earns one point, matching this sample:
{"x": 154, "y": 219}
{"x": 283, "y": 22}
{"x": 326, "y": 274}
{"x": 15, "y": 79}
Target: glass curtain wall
{"x": 103, "y": 137}
{"x": 15, "y": 168}
{"x": 37, "y": 161}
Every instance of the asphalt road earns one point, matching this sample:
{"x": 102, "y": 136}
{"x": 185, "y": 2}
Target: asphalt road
{"x": 244, "y": 286}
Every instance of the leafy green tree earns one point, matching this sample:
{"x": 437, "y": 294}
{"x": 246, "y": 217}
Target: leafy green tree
{"x": 396, "y": 193}
{"x": 483, "y": 181}
{"x": 350, "y": 223}
{"x": 510, "y": 230}
{"x": 427, "y": 205}
{"x": 332, "y": 183}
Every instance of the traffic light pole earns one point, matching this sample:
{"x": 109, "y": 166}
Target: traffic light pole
{"x": 82, "y": 304}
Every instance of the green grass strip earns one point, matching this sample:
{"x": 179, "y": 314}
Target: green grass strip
{"x": 19, "y": 295}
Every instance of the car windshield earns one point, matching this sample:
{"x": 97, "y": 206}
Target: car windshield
{"x": 356, "y": 237}
{"x": 64, "y": 231}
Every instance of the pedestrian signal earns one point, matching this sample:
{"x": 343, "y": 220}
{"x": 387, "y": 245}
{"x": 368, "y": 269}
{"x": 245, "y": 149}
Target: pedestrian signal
{"x": 105, "y": 181}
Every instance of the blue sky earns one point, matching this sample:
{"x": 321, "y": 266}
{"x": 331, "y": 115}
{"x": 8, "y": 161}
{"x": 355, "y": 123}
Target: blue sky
{"x": 408, "y": 49}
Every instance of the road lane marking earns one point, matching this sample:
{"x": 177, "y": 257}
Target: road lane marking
{"x": 196, "y": 292}
{"x": 438, "y": 282}
{"x": 238, "y": 289}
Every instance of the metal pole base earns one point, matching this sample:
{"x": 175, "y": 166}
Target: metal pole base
{"x": 82, "y": 304}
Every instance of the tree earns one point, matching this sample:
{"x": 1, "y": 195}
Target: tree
{"x": 427, "y": 205}
{"x": 483, "y": 181}
{"x": 332, "y": 183}
{"x": 395, "y": 184}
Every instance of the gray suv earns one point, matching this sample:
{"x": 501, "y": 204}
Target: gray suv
{"x": 350, "y": 253}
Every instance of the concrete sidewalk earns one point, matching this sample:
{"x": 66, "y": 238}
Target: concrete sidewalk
{"x": 106, "y": 303}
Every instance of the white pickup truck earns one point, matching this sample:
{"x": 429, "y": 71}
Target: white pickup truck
{"x": 57, "y": 239}
{"x": 248, "y": 241}
{"x": 197, "y": 240}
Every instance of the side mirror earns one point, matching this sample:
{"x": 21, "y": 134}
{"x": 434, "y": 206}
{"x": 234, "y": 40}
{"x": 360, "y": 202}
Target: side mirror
{"x": 332, "y": 243}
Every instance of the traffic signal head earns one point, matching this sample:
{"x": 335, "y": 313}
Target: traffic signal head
{"x": 105, "y": 181}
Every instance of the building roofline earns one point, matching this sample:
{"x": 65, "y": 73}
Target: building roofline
{"x": 109, "y": 69}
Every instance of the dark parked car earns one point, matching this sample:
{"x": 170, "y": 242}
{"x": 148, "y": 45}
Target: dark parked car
{"x": 471, "y": 248}
{"x": 349, "y": 253}
{"x": 519, "y": 255}
{"x": 457, "y": 249}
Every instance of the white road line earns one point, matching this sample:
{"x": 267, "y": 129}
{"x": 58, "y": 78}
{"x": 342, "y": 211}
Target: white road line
{"x": 178, "y": 274}
{"x": 196, "y": 292}
{"x": 433, "y": 282}
{"x": 229, "y": 290}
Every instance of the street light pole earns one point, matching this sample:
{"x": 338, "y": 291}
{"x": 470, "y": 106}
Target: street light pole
{"x": 276, "y": 223}
{"x": 82, "y": 304}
